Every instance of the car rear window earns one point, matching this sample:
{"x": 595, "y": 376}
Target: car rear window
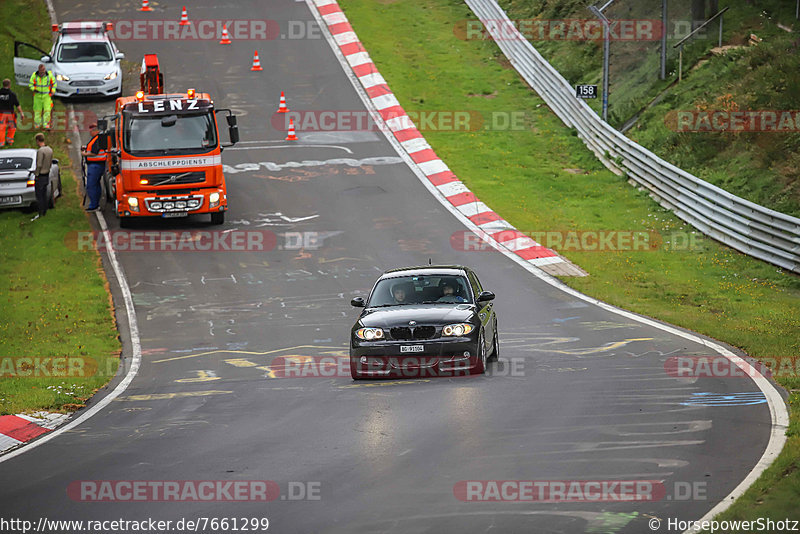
{"x": 15, "y": 164}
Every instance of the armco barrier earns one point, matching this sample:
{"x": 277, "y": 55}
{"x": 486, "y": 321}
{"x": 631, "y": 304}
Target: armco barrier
{"x": 747, "y": 227}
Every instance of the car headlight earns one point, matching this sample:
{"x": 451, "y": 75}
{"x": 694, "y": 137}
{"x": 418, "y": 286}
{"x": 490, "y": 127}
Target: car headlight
{"x": 110, "y": 75}
{"x": 62, "y": 78}
{"x": 369, "y": 334}
{"x": 457, "y": 330}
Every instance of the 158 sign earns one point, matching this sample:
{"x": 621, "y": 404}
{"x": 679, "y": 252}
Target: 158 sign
{"x": 586, "y": 91}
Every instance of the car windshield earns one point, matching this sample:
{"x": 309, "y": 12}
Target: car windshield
{"x": 84, "y": 52}
{"x": 164, "y": 134}
{"x": 423, "y": 289}
{"x": 15, "y": 164}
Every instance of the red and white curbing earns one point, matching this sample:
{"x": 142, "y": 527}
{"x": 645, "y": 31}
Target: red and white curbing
{"x": 17, "y": 429}
{"x": 438, "y": 173}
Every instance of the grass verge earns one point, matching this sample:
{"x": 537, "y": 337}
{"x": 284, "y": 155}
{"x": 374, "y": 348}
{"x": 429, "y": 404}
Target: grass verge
{"x": 542, "y": 178}
{"x": 55, "y": 300}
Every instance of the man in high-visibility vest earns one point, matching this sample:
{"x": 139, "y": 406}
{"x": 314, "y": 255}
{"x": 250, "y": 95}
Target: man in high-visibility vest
{"x": 43, "y": 85}
{"x": 95, "y": 155}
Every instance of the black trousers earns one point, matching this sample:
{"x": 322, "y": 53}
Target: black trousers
{"x": 40, "y": 185}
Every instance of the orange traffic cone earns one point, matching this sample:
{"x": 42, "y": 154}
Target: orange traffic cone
{"x": 225, "y": 38}
{"x": 146, "y": 6}
{"x": 256, "y": 62}
{"x": 184, "y": 18}
{"x": 291, "y": 136}
{"x": 282, "y": 107}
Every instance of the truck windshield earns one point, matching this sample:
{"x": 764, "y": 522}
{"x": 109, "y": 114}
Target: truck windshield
{"x": 165, "y": 134}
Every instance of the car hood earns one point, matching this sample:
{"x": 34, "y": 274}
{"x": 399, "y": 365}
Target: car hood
{"x": 90, "y": 69}
{"x": 423, "y": 314}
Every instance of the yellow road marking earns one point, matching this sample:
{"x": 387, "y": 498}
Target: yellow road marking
{"x": 240, "y": 362}
{"x": 595, "y": 350}
{"x": 379, "y": 384}
{"x": 270, "y": 371}
{"x": 252, "y": 353}
{"x": 202, "y": 376}
{"x": 163, "y": 396}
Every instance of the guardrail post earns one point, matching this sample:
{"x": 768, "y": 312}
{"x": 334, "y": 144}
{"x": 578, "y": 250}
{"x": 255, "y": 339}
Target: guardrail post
{"x": 680, "y": 63}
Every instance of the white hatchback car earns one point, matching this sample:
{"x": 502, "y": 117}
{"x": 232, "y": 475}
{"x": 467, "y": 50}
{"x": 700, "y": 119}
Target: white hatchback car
{"x": 17, "y": 188}
{"x": 83, "y": 59}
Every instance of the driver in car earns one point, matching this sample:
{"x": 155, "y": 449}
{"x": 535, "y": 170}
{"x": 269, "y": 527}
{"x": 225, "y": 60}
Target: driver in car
{"x": 449, "y": 293}
{"x": 399, "y": 294}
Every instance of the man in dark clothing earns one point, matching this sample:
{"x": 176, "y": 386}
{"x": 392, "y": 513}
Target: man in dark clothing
{"x": 44, "y": 160}
{"x": 9, "y": 106}
{"x": 95, "y": 155}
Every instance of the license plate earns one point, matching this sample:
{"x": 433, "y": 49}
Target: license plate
{"x": 11, "y": 200}
{"x": 412, "y": 348}
{"x": 175, "y": 214}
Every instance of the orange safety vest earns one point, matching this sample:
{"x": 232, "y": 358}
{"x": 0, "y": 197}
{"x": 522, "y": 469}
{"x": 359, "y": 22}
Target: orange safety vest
{"x": 100, "y": 157}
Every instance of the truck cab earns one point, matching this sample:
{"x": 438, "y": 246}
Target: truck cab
{"x": 165, "y": 156}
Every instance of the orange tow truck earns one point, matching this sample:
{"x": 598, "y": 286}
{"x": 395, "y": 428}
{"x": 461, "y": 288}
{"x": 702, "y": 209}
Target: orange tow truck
{"x": 164, "y": 152}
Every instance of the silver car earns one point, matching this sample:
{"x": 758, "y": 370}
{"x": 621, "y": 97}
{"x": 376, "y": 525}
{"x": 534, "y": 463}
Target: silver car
{"x": 83, "y": 59}
{"x": 17, "y": 166}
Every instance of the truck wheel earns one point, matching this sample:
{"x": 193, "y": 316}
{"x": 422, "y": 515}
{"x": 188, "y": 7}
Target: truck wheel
{"x": 218, "y": 217}
{"x": 110, "y": 186}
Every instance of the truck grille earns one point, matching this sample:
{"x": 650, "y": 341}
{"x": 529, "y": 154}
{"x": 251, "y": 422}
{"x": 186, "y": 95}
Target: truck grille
{"x": 185, "y": 178}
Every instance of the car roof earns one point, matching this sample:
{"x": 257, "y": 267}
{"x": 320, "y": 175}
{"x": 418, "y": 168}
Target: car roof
{"x": 18, "y": 153}
{"x": 89, "y": 37}
{"x": 451, "y": 270}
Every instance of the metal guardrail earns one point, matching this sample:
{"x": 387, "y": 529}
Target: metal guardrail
{"x": 760, "y": 232}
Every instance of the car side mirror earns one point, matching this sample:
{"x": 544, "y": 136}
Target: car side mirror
{"x": 485, "y": 296}
{"x": 358, "y": 302}
{"x": 120, "y": 55}
{"x": 46, "y": 59}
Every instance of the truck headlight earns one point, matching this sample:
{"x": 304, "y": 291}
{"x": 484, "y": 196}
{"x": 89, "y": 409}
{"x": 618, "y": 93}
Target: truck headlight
{"x": 213, "y": 199}
{"x": 133, "y": 203}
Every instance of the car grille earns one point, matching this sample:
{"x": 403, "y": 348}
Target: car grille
{"x": 86, "y": 83}
{"x": 190, "y": 178}
{"x": 419, "y": 332}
